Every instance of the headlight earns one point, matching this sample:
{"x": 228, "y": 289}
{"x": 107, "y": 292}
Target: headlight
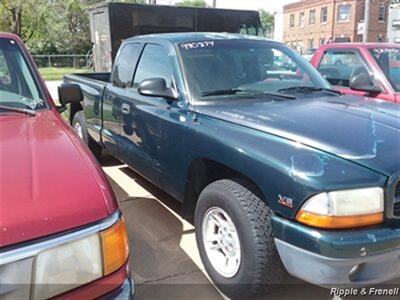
{"x": 76, "y": 263}
{"x": 343, "y": 209}
{"x": 68, "y": 266}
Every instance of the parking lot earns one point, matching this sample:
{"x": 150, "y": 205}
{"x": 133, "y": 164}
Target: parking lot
{"x": 164, "y": 252}
{"x": 164, "y": 261}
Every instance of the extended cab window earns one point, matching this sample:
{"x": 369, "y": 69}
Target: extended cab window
{"x": 154, "y": 63}
{"x": 18, "y": 87}
{"x": 125, "y": 65}
{"x": 339, "y": 66}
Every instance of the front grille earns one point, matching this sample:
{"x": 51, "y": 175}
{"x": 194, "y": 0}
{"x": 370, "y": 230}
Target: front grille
{"x": 396, "y": 208}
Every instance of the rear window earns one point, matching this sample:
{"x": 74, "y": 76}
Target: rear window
{"x": 388, "y": 60}
{"x": 339, "y": 66}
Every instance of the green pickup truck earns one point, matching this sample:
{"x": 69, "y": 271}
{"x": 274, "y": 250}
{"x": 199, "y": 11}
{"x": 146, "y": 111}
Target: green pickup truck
{"x": 279, "y": 171}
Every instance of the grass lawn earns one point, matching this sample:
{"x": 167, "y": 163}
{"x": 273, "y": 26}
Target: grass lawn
{"x": 58, "y": 73}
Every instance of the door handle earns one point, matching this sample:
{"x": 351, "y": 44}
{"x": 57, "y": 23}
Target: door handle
{"x": 126, "y": 109}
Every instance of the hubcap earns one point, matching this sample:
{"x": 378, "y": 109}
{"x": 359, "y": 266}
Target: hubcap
{"x": 221, "y": 242}
{"x": 78, "y": 130}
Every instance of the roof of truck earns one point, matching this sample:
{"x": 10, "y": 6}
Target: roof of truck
{"x": 358, "y": 45}
{"x": 181, "y": 37}
{"x": 8, "y": 35}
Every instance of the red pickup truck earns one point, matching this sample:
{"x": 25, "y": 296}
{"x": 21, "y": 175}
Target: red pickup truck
{"x": 368, "y": 69}
{"x": 61, "y": 232}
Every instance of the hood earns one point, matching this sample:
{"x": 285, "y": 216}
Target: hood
{"x": 49, "y": 182}
{"x": 362, "y": 130}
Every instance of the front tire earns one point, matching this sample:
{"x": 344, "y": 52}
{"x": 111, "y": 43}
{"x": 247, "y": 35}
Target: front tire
{"x": 80, "y": 126}
{"x": 235, "y": 241}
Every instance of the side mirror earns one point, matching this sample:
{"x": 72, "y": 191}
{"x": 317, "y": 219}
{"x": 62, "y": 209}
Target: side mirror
{"x": 364, "y": 82}
{"x": 69, "y": 93}
{"x": 157, "y": 87}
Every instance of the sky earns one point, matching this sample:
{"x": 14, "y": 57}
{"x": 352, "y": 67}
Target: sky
{"x": 269, "y": 5}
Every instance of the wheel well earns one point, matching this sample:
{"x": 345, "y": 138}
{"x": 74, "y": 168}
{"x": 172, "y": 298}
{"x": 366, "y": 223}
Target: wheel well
{"x": 74, "y": 108}
{"x": 201, "y": 173}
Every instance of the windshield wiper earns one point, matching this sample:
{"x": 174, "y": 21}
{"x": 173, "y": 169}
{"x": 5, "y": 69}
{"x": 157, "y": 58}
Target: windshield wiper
{"x": 27, "y": 111}
{"x": 309, "y": 89}
{"x": 279, "y": 95}
{"x": 221, "y": 92}
{"x": 235, "y": 91}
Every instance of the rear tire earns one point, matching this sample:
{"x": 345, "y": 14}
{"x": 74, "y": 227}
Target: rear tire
{"x": 79, "y": 125}
{"x": 236, "y": 205}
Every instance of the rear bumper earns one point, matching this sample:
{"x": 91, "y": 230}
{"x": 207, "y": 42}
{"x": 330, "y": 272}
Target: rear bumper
{"x": 336, "y": 258}
{"x": 333, "y": 272}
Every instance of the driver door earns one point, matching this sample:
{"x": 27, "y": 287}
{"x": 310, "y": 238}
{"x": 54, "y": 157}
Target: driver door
{"x": 151, "y": 126}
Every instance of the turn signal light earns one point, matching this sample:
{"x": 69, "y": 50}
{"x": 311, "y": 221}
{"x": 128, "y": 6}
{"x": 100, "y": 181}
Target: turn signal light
{"x": 115, "y": 247}
{"x": 338, "y": 222}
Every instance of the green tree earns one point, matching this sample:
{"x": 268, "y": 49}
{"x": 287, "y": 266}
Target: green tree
{"x": 50, "y": 26}
{"x": 70, "y": 26}
{"x": 267, "y": 21}
{"x": 24, "y": 17}
{"x": 192, "y": 3}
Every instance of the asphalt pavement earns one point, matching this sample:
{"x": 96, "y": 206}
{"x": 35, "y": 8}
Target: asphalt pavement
{"x": 52, "y": 86}
{"x": 164, "y": 261}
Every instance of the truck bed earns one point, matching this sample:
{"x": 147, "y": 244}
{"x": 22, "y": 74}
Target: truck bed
{"x": 92, "y": 86}
{"x": 104, "y": 77}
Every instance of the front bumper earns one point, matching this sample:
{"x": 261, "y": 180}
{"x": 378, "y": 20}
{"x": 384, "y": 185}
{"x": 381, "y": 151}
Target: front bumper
{"x": 330, "y": 258}
{"x": 124, "y": 292}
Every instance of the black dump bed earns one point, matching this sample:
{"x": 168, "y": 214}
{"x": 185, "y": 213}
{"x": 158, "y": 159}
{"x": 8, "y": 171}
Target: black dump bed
{"x": 111, "y": 23}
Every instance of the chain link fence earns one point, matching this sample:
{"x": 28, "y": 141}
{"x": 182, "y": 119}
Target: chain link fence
{"x": 64, "y": 61}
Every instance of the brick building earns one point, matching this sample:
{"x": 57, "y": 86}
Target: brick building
{"x": 311, "y": 23}
{"x": 394, "y": 24}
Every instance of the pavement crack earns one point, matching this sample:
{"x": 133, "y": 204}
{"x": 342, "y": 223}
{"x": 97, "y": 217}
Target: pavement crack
{"x": 170, "y": 277}
{"x": 136, "y": 198}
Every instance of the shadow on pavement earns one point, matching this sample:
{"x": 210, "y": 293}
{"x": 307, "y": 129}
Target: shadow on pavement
{"x": 160, "y": 266}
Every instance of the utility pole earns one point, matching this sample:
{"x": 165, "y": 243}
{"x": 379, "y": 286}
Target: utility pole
{"x": 366, "y": 20}
{"x": 334, "y": 20}
{"x": 214, "y": 3}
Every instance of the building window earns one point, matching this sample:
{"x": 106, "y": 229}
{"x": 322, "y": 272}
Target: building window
{"x": 322, "y": 41}
{"x": 362, "y": 16}
{"x": 344, "y": 11}
{"x": 311, "y": 19}
{"x": 310, "y": 43}
{"x": 382, "y": 13}
{"x": 324, "y": 14}
{"x": 301, "y": 19}
{"x": 292, "y": 21}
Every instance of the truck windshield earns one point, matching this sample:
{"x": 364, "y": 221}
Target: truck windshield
{"x": 18, "y": 87}
{"x": 240, "y": 66}
{"x": 388, "y": 60}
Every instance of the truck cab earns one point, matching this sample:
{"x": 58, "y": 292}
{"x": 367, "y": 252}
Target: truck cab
{"x": 361, "y": 69}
